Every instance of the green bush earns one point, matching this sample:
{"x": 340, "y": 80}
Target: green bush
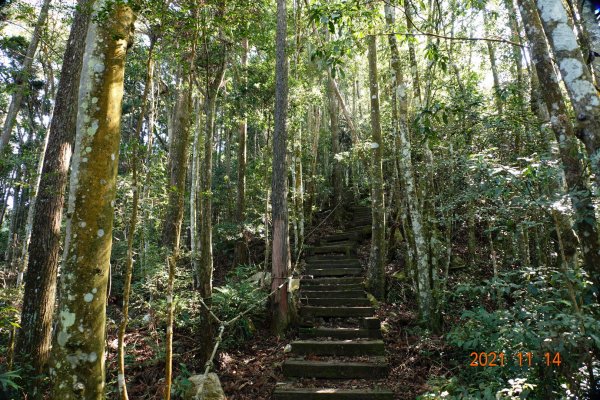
{"x": 524, "y": 312}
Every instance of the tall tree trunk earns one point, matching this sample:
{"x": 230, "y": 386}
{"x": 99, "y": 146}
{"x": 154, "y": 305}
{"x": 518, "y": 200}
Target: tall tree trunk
{"x": 299, "y": 190}
{"x": 586, "y": 224}
{"x": 79, "y": 347}
{"x": 314, "y": 126}
{"x": 178, "y": 164}
{"x": 241, "y": 246}
{"x": 376, "y": 270}
{"x": 576, "y": 76}
{"x": 33, "y": 341}
{"x": 335, "y": 148}
{"x": 205, "y": 272}
{"x": 31, "y": 211}
{"x": 281, "y": 239}
{"x": 23, "y": 78}
{"x": 405, "y": 162}
{"x": 497, "y": 95}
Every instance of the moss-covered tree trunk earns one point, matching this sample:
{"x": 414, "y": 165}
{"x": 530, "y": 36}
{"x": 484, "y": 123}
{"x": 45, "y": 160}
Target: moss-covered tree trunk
{"x": 376, "y": 270}
{"x": 78, "y": 350}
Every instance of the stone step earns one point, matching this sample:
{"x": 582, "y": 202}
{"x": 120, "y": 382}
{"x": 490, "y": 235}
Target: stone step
{"x": 360, "y": 222}
{"x": 352, "y": 262}
{"x": 328, "y": 281}
{"x": 336, "y": 294}
{"x": 364, "y": 230}
{"x": 339, "y": 347}
{"x": 347, "y": 312}
{"x": 336, "y": 302}
{"x": 331, "y": 394}
{"x": 299, "y": 368}
{"x": 331, "y": 286}
{"x": 329, "y": 257}
{"x": 339, "y": 333}
{"x": 345, "y": 249}
{"x": 371, "y": 323}
{"x": 340, "y": 237}
{"x": 333, "y": 271}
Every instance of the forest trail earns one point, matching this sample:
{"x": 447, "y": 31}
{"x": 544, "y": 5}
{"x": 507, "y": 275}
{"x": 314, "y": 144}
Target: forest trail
{"x": 340, "y": 354}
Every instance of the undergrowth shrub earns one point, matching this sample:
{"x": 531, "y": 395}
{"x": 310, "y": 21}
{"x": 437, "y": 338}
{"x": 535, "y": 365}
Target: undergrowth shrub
{"x": 525, "y": 311}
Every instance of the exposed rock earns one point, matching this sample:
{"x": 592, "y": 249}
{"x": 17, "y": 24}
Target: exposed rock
{"x": 211, "y": 390}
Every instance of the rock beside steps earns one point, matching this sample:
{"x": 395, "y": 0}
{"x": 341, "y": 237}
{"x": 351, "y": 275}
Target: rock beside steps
{"x": 339, "y": 354}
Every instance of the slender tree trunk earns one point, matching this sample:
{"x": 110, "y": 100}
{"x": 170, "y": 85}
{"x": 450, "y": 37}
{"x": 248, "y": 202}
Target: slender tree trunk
{"x": 171, "y": 263}
{"x": 79, "y": 347}
{"x": 579, "y": 193}
{"x": 281, "y": 239}
{"x": 23, "y": 78}
{"x": 376, "y": 270}
{"x": 314, "y": 123}
{"x": 205, "y": 273}
{"x": 241, "y": 245}
{"x": 412, "y": 54}
{"x": 299, "y": 189}
{"x": 33, "y": 342}
{"x": 194, "y": 193}
{"x": 497, "y": 95}
{"x": 335, "y": 148}
{"x": 576, "y": 76}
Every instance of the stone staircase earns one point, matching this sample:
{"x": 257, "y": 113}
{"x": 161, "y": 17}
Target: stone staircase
{"x": 340, "y": 354}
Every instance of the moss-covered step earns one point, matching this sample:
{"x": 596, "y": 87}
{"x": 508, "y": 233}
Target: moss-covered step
{"x": 333, "y": 271}
{"x": 336, "y": 302}
{"x": 335, "y": 369}
{"x": 328, "y": 312}
{"x": 339, "y": 333}
{"x": 331, "y": 394}
{"x": 336, "y": 294}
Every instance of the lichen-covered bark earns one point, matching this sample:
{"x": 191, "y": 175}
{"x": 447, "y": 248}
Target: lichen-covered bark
{"x": 376, "y": 270}
{"x": 576, "y": 76}
{"x": 78, "y": 351}
{"x": 586, "y": 224}
{"x": 281, "y": 239}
